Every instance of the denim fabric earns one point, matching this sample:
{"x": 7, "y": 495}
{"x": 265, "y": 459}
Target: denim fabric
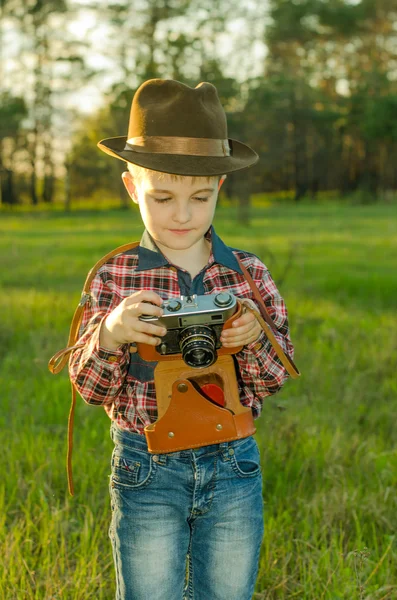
{"x": 185, "y": 525}
{"x": 140, "y": 369}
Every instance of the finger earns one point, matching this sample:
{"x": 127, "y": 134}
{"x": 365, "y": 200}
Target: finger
{"x": 240, "y": 335}
{"x": 149, "y": 328}
{"x": 144, "y": 308}
{"x": 143, "y": 338}
{"x": 244, "y": 329}
{"x": 144, "y": 296}
{"x": 244, "y": 319}
{"x": 240, "y": 341}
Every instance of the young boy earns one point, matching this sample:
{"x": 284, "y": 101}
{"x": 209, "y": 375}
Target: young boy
{"x": 185, "y": 524}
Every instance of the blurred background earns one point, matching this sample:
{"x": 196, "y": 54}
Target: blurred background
{"x": 310, "y": 84}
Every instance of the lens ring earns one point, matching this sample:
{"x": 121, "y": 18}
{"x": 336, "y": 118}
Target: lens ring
{"x": 198, "y": 346}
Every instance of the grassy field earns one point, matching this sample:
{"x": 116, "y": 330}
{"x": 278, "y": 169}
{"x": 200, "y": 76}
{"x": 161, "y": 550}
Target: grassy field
{"x": 328, "y": 440}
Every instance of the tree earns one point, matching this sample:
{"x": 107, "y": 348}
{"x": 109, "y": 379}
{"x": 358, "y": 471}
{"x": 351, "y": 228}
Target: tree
{"x": 12, "y": 112}
{"x": 327, "y": 44}
{"x": 40, "y": 28}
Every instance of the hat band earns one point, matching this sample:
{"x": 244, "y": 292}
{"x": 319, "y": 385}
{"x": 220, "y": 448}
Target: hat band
{"x": 179, "y": 145}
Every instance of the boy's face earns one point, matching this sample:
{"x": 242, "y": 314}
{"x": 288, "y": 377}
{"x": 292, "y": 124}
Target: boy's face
{"x": 177, "y": 214}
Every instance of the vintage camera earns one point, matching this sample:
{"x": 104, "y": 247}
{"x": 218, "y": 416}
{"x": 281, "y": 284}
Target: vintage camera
{"x": 194, "y": 325}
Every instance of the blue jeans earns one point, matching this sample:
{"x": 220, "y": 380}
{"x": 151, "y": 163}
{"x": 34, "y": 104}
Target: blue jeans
{"x": 186, "y": 525}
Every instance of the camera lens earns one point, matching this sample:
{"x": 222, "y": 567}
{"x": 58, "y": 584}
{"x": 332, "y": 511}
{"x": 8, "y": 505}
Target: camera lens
{"x": 198, "y": 346}
{"x": 199, "y": 355}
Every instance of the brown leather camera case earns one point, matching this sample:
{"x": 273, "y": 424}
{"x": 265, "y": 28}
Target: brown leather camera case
{"x": 186, "y": 418}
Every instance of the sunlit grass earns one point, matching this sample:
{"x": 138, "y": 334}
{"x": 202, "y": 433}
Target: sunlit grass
{"x": 328, "y": 440}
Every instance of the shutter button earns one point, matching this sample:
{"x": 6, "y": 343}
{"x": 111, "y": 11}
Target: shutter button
{"x": 174, "y": 305}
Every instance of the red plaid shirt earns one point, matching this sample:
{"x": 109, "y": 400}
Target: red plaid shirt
{"x": 122, "y": 382}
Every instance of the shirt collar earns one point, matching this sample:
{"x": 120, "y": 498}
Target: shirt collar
{"x": 221, "y": 253}
{"x": 151, "y": 257}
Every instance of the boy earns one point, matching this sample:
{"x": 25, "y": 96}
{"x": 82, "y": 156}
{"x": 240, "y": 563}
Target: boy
{"x": 200, "y": 508}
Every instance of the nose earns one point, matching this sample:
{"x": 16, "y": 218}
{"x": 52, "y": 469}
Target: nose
{"x": 182, "y": 213}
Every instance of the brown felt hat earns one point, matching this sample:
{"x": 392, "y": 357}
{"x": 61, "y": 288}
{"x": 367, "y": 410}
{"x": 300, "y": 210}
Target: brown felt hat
{"x": 177, "y": 129}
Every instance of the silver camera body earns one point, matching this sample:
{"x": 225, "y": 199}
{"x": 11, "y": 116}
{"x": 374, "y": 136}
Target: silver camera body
{"x": 194, "y": 325}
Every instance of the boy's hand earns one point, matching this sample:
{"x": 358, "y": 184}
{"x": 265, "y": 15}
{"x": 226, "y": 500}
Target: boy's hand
{"x": 123, "y": 326}
{"x": 245, "y": 330}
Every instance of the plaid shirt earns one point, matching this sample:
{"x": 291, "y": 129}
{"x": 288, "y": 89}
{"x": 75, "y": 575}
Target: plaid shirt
{"x": 121, "y": 381}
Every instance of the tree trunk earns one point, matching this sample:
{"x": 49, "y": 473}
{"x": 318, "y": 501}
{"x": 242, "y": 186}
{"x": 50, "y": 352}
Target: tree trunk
{"x": 48, "y": 188}
{"x": 370, "y": 176}
{"x": 67, "y": 196}
{"x": 301, "y": 183}
{"x": 243, "y": 192}
{"x": 7, "y": 194}
{"x": 33, "y": 183}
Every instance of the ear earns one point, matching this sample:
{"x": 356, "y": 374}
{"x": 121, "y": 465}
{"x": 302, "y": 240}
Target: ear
{"x": 222, "y": 179}
{"x": 130, "y": 186}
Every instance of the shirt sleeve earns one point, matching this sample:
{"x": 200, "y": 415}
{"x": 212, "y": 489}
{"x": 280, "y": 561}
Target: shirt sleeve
{"x": 260, "y": 371}
{"x": 98, "y": 373}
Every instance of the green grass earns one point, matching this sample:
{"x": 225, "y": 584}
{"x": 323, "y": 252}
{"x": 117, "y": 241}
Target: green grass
{"x": 328, "y": 440}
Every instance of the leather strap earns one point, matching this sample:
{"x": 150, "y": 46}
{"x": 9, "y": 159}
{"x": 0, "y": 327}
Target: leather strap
{"x": 267, "y": 324}
{"x": 179, "y": 145}
{"x": 70, "y": 441}
{"x": 59, "y": 360}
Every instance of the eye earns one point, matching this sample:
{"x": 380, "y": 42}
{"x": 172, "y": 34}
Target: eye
{"x": 160, "y": 200}
{"x": 200, "y": 199}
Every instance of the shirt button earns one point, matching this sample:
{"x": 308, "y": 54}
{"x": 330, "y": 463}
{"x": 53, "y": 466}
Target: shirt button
{"x": 113, "y": 359}
{"x": 257, "y": 347}
{"x": 174, "y": 269}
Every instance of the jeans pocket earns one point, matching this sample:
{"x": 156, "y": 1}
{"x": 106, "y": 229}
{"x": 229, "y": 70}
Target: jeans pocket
{"x": 245, "y": 460}
{"x": 133, "y": 469}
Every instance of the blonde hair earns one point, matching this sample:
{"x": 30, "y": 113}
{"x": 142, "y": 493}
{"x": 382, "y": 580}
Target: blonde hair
{"x": 139, "y": 173}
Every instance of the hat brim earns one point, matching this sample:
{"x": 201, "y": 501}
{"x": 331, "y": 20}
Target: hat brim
{"x": 242, "y": 157}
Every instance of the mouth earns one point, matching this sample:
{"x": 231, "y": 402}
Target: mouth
{"x": 180, "y": 231}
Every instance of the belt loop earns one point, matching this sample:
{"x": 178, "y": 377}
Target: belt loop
{"x": 223, "y": 447}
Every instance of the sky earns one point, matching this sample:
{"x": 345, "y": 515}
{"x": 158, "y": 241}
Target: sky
{"x": 90, "y": 96}
{"x": 85, "y": 25}
{"x": 17, "y": 66}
